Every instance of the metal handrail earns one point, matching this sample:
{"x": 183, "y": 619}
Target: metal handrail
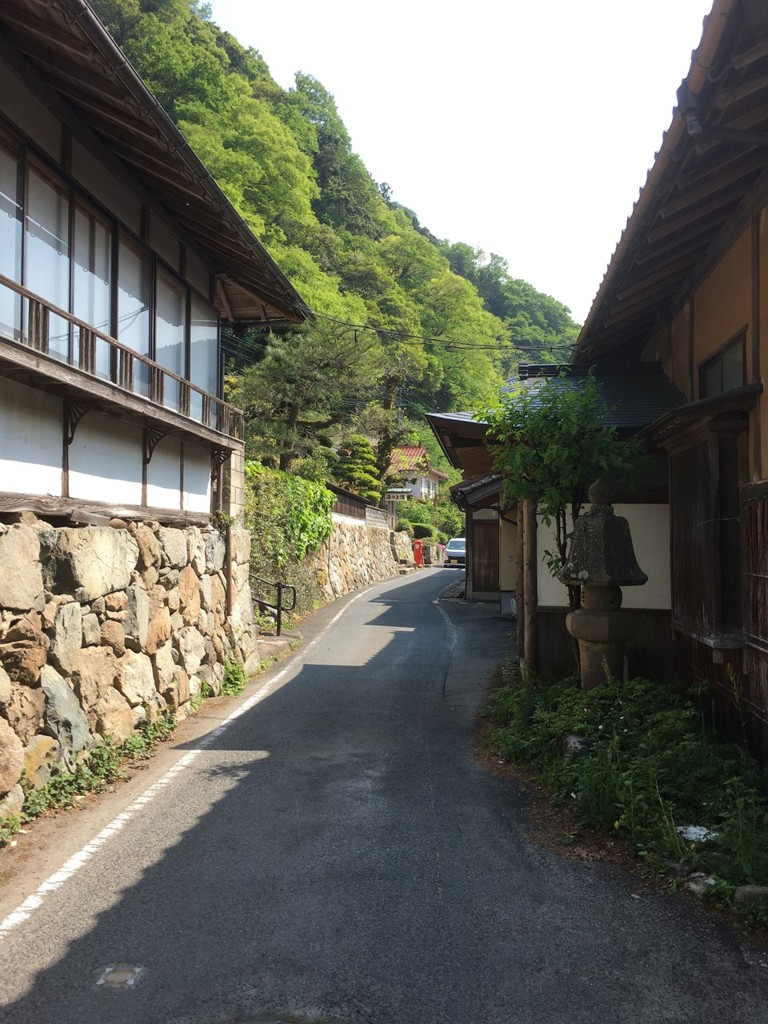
{"x": 277, "y": 608}
{"x": 215, "y": 412}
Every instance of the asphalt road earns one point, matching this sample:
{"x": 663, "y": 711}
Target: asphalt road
{"x": 334, "y": 854}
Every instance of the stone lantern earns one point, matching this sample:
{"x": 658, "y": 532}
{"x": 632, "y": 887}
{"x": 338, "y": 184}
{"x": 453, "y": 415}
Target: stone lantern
{"x": 601, "y": 562}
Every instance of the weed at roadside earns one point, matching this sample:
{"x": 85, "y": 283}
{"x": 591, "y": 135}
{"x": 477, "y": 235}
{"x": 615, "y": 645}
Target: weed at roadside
{"x": 640, "y": 761}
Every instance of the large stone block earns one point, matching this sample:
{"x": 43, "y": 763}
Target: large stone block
{"x": 67, "y": 636}
{"x": 138, "y": 680}
{"x": 25, "y": 710}
{"x": 164, "y": 666}
{"x": 64, "y": 717}
{"x": 173, "y": 544}
{"x": 159, "y": 630}
{"x": 137, "y": 620}
{"x": 191, "y": 647}
{"x": 88, "y": 562}
{"x": 12, "y": 804}
{"x": 11, "y": 758}
{"x": 112, "y": 716}
{"x": 21, "y": 581}
{"x": 240, "y": 541}
{"x": 41, "y": 755}
{"x": 5, "y": 686}
{"x": 96, "y": 669}
{"x": 113, "y": 635}
{"x": 189, "y": 595}
{"x": 215, "y": 552}
{"x": 196, "y": 549}
{"x": 150, "y": 551}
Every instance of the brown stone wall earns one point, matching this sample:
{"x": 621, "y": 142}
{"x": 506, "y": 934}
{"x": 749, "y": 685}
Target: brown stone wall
{"x": 356, "y": 555}
{"x": 102, "y": 628}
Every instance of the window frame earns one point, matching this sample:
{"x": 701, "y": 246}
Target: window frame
{"x": 29, "y": 158}
{"x": 738, "y": 340}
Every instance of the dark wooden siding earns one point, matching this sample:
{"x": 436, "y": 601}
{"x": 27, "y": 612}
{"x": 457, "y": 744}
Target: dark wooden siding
{"x": 693, "y": 540}
{"x": 485, "y": 556}
{"x": 755, "y": 534}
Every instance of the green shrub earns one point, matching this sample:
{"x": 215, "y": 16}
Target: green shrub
{"x": 652, "y": 763}
{"x": 404, "y": 526}
{"x": 234, "y": 679}
{"x": 422, "y": 532}
{"x": 288, "y": 517}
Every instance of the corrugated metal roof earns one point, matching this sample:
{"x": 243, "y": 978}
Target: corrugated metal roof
{"x": 630, "y": 398}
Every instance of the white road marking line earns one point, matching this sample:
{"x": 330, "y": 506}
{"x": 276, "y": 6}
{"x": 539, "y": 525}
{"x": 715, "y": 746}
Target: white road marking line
{"x": 55, "y": 881}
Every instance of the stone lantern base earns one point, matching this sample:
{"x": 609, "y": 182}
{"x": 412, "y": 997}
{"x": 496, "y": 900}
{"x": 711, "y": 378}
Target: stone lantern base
{"x": 602, "y": 630}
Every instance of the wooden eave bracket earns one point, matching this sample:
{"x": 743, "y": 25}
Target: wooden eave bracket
{"x": 73, "y": 413}
{"x": 152, "y": 438}
{"x": 219, "y": 456}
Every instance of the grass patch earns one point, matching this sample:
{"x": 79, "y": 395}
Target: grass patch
{"x": 234, "y": 679}
{"x": 649, "y": 762}
{"x": 101, "y": 767}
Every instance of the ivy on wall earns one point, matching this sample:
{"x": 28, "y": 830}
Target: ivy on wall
{"x": 288, "y": 517}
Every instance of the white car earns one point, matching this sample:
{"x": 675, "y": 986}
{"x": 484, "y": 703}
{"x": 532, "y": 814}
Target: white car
{"x": 456, "y": 551}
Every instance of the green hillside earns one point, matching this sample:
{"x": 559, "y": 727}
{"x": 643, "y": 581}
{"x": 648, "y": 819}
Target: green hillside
{"x": 404, "y": 322}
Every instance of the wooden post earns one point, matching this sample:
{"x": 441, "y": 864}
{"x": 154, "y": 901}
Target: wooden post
{"x": 530, "y": 587}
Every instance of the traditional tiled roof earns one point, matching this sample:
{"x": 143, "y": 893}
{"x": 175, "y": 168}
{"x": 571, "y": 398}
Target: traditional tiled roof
{"x": 412, "y": 460}
{"x": 705, "y": 180}
{"x": 409, "y": 459}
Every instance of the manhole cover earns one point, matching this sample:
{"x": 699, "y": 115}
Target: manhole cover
{"x": 120, "y": 976}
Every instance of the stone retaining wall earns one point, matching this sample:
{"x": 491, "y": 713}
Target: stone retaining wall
{"x": 356, "y": 555}
{"x": 104, "y": 627}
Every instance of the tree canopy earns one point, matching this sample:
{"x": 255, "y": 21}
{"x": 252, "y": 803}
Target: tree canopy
{"x": 404, "y": 323}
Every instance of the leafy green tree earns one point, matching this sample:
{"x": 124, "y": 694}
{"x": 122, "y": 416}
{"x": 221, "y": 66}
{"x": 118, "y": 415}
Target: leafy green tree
{"x": 356, "y": 468}
{"x": 552, "y": 444}
{"x": 305, "y": 387}
{"x": 349, "y": 198}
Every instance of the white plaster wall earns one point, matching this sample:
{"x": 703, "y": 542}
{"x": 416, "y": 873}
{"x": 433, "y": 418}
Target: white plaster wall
{"x": 197, "y": 479}
{"x": 30, "y": 440}
{"x": 649, "y": 526}
{"x": 164, "y": 475}
{"x": 105, "y": 461}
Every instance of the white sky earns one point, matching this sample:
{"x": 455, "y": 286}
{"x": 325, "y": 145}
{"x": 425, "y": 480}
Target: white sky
{"x": 521, "y": 127}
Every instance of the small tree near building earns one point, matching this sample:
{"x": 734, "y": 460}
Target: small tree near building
{"x": 356, "y": 468}
{"x": 553, "y": 443}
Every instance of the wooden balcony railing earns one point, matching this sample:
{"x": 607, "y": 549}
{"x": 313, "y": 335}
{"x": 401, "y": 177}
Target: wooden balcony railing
{"x": 45, "y": 328}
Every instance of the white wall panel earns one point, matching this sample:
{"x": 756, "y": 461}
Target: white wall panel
{"x": 105, "y": 461}
{"x": 649, "y": 526}
{"x": 164, "y": 476}
{"x": 197, "y": 479}
{"x": 30, "y": 440}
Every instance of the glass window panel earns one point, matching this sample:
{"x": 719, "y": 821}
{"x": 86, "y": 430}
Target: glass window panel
{"x": 711, "y": 379}
{"x": 170, "y": 332}
{"x": 10, "y": 245}
{"x": 47, "y": 255}
{"x": 92, "y": 277}
{"x": 203, "y": 354}
{"x": 733, "y": 366}
{"x": 134, "y": 287}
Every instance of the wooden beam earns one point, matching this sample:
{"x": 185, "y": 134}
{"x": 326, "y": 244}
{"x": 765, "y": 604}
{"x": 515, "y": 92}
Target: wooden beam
{"x": 530, "y": 585}
{"x": 94, "y": 512}
{"x": 47, "y": 374}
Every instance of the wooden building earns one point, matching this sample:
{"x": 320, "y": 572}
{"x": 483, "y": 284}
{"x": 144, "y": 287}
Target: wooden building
{"x": 687, "y": 290}
{"x": 119, "y": 259}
